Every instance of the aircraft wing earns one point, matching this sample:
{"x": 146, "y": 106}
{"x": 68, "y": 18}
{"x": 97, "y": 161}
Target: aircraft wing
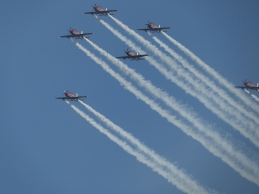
{"x": 75, "y": 35}
{"x": 81, "y": 97}
{"x": 125, "y": 57}
{"x": 242, "y": 87}
{"x": 132, "y": 57}
{"x": 71, "y": 98}
{"x": 142, "y": 55}
{"x": 62, "y": 98}
{"x": 99, "y": 12}
{"x": 154, "y": 29}
{"x": 249, "y": 88}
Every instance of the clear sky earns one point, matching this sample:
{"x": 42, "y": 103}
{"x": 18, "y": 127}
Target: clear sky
{"x": 46, "y": 147}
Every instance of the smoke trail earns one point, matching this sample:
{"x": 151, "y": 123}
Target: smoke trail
{"x": 177, "y": 177}
{"x": 252, "y": 95}
{"x": 207, "y": 143}
{"x": 254, "y": 170}
{"x": 246, "y": 128}
{"x": 214, "y": 74}
{"x": 255, "y": 97}
{"x": 207, "y": 81}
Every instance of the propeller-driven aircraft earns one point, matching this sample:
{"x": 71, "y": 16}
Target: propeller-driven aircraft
{"x": 75, "y": 34}
{"x": 153, "y": 28}
{"x": 70, "y": 96}
{"x": 131, "y": 55}
{"x": 100, "y": 11}
{"x": 249, "y": 85}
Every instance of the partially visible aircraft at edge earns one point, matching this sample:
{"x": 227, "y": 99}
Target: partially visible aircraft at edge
{"x": 131, "y": 55}
{"x": 75, "y": 34}
{"x": 70, "y": 96}
{"x": 100, "y": 11}
{"x": 249, "y": 85}
{"x": 153, "y": 28}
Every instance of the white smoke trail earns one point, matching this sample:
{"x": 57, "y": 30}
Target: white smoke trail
{"x": 235, "y": 160}
{"x": 176, "y": 176}
{"x": 223, "y": 95}
{"x": 252, "y": 95}
{"x": 244, "y": 172}
{"x": 248, "y": 129}
{"x": 214, "y": 74}
{"x": 255, "y": 97}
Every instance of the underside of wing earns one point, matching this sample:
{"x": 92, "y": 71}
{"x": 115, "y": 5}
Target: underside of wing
{"x": 106, "y": 11}
{"x": 113, "y": 10}
{"x": 142, "y": 55}
{"x": 81, "y": 96}
{"x": 75, "y": 35}
{"x": 154, "y": 29}
{"x": 66, "y": 36}
{"x": 91, "y": 12}
{"x": 243, "y": 87}
{"x": 163, "y": 28}
{"x": 99, "y": 12}
{"x": 144, "y": 29}
{"x": 62, "y": 98}
{"x": 124, "y": 57}
{"x": 85, "y": 34}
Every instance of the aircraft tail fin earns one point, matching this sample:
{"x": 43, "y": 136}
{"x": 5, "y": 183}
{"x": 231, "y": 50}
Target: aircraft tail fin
{"x": 137, "y": 53}
{"x": 106, "y": 9}
{"x": 257, "y": 85}
{"x": 82, "y": 32}
{"x": 159, "y": 26}
{"x": 76, "y": 94}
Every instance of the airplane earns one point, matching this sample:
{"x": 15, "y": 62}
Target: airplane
{"x": 101, "y": 11}
{"x": 153, "y": 28}
{"x": 75, "y": 34}
{"x": 71, "y": 97}
{"x": 131, "y": 55}
{"x": 249, "y": 85}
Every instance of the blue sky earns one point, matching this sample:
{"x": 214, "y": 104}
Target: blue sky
{"x": 45, "y": 147}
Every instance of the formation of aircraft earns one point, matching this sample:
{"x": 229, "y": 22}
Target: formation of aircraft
{"x": 70, "y": 96}
{"x": 131, "y": 55}
{"x": 75, "y": 34}
{"x": 100, "y": 11}
{"x": 249, "y": 85}
{"x": 153, "y": 28}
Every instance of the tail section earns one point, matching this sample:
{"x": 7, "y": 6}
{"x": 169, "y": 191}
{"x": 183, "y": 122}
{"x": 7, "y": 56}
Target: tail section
{"x": 159, "y": 26}
{"x": 257, "y": 85}
{"x": 76, "y": 94}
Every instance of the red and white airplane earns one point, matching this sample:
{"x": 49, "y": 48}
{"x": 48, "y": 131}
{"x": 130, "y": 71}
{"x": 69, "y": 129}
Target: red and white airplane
{"x": 71, "y": 97}
{"x": 249, "y": 85}
{"x": 131, "y": 55}
{"x": 100, "y": 11}
{"x": 153, "y": 28}
{"x": 75, "y": 34}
